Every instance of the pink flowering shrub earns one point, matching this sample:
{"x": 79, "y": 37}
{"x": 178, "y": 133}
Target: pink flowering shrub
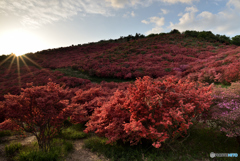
{"x": 226, "y": 110}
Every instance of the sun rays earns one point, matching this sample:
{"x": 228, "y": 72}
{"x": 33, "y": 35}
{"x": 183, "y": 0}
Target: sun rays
{"x": 19, "y": 59}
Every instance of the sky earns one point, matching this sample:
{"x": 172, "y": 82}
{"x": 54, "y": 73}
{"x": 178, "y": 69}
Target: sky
{"x": 35, "y": 25}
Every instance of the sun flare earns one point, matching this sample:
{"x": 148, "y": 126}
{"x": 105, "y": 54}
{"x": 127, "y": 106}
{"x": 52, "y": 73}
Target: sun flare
{"x": 19, "y": 42}
{"x": 18, "y": 54}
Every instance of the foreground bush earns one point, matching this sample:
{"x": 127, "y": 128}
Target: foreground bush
{"x": 39, "y": 110}
{"x": 156, "y": 110}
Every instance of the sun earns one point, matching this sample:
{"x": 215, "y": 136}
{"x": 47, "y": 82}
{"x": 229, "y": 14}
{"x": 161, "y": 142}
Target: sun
{"x": 19, "y": 42}
{"x": 18, "y": 54}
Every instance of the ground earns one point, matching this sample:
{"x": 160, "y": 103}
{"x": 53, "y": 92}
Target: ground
{"x": 78, "y": 154}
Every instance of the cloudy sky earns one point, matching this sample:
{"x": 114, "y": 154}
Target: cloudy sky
{"x": 35, "y": 25}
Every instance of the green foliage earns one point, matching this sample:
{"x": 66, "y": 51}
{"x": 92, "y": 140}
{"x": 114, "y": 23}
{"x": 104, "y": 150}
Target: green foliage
{"x": 59, "y": 149}
{"x": 5, "y": 133}
{"x": 37, "y": 156}
{"x": 12, "y": 148}
{"x": 73, "y": 132}
{"x": 236, "y": 40}
{"x": 191, "y": 33}
{"x": 202, "y": 141}
{"x": 168, "y": 69}
{"x": 175, "y": 31}
{"x": 223, "y": 39}
{"x": 207, "y": 35}
{"x": 152, "y": 35}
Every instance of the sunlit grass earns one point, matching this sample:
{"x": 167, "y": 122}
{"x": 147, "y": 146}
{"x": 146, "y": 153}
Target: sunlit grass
{"x": 60, "y": 148}
{"x": 73, "y": 132}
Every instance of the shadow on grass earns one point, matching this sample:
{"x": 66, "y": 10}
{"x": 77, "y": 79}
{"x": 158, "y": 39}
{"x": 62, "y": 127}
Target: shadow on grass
{"x": 198, "y": 146}
{"x": 78, "y": 74}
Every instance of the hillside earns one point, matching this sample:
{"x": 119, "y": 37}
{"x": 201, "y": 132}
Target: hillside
{"x": 124, "y": 60}
{"x": 95, "y": 80}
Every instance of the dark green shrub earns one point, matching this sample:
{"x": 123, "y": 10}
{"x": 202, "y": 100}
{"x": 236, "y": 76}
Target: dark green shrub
{"x": 236, "y": 40}
{"x": 191, "y": 33}
{"x": 207, "y": 35}
{"x": 152, "y": 35}
{"x": 175, "y": 31}
{"x": 223, "y": 39}
{"x": 5, "y": 133}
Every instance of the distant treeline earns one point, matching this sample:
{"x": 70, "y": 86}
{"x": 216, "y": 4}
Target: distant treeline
{"x": 205, "y": 35}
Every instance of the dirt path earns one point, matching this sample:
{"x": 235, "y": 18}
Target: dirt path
{"x": 78, "y": 154}
{"x": 10, "y": 139}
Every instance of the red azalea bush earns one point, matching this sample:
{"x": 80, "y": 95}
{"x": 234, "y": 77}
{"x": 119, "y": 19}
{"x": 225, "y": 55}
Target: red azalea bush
{"x": 39, "y": 110}
{"x": 88, "y": 101}
{"x": 232, "y": 72}
{"x": 93, "y": 98}
{"x": 108, "y": 120}
{"x": 152, "y": 109}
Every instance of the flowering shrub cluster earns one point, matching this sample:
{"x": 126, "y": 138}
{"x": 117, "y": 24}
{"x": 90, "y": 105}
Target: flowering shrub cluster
{"x": 136, "y": 58}
{"x": 93, "y": 97}
{"x": 223, "y": 67}
{"x": 226, "y": 110}
{"x": 153, "y": 109}
{"x": 167, "y": 54}
{"x": 39, "y": 110}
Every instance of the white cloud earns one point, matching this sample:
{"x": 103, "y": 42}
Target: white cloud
{"x": 164, "y": 11}
{"x": 191, "y": 9}
{"x": 179, "y": 1}
{"x": 158, "y": 22}
{"x": 132, "y": 14}
{"x": 224, "y": 22}
{"x": 144, "y": 21}
{"x": 123, "y": 3}
{"x": 35, "y": 13}
{"x": 130, "y": 3}
{"x": 155, "y": 30}
{"x": 234, "y": 4}
{"x": 118, "y": 3}
{"x": 180, "y": 14}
